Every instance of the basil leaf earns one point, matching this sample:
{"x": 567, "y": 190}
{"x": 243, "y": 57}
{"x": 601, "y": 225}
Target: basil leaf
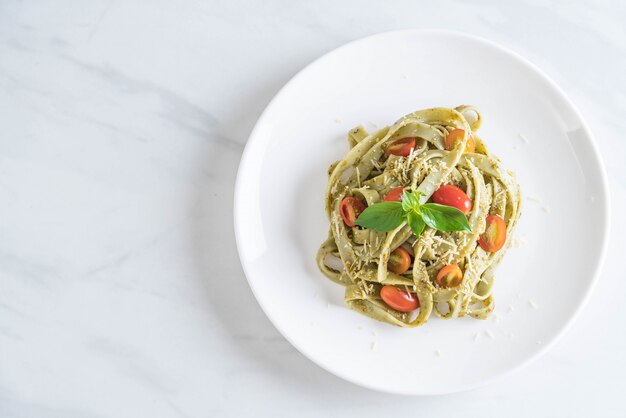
{"x": 444, "y": 218}
{"x": 410, "y": 201}
{"x": 384, "y": 217}
{"x": 416, "y": 223}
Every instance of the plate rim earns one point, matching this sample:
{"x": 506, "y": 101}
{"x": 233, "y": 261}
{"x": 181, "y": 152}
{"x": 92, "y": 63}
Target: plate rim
{"x": 595, "y": 156}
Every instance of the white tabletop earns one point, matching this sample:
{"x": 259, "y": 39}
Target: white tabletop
{"x": 122, "y": 124}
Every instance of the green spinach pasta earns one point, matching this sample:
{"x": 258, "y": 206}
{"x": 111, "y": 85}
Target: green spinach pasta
{"x": 420, "y": 216}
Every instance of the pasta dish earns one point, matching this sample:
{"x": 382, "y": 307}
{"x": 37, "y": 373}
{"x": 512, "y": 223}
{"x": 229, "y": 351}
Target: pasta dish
{"x": 420, "y": 216}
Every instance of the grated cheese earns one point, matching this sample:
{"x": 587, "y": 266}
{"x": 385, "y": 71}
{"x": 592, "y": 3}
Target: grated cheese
{"x": 490, "y": 334}
{"x": 546, "y": 209}
{"x": 497, "y": 317}
{"x": 517, "y": 242}
{"x": 337, "y": 120}
{"x": 443, "y": 241}
{"x": 373, "y": 346}
{"x": 327, "y": 305}
{"x": 534, "y": 199}
{"x": 476, "y": 336}
{"x": 532, "y": 304}
{"x": 412, "y": 154}
{"x": 449, "y": 256}
{"x": 511, "y": 308}
{"x": 438, "y": 353}
{"x": 523, "y": 138}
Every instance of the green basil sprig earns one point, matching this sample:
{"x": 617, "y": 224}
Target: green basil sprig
{"x": 387, "y": 216}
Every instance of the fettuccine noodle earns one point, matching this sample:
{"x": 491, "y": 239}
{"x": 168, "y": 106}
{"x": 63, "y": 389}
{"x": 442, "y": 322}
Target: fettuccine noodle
{"x": 357, "y": 257}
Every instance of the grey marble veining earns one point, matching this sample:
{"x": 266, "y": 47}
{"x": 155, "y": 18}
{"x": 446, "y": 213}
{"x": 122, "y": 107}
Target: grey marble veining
{"x": 122, "y": 128}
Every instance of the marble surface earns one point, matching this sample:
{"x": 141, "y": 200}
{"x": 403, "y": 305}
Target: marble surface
{"x": 122, "y": 124}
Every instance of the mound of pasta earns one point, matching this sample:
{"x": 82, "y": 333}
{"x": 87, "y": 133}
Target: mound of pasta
{"x": 420, "y": 216}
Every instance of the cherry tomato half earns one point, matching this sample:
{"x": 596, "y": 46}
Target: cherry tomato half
{"x": 394, "y": 195}
{"x": 449, "y": 276}
{"x": 399, "y": 300}
{"x": 495, "y": 234}
{"x": 350, "y": 209}
{"x": 399, "y": 261}
{"x": 457, "y": 135}
{"x": 401, "y": 147}
{"x": 450, "y": 195}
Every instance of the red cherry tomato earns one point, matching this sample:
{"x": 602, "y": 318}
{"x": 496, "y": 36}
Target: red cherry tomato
{"x": 394, "y": 195}
{"x": 401, "y": 147}
{"x": 457, "y": 135}
{"x": 495, "y": 234}
{"x": 399, "y": 300}
{"x": 450, "y": 195}
{"x": 449, "y": 276}
{"x": 350, "y": 209}
{"x": 399, "y": 261}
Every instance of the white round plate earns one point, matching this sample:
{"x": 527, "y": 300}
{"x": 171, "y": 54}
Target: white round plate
{"x": 280, "y": 219}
